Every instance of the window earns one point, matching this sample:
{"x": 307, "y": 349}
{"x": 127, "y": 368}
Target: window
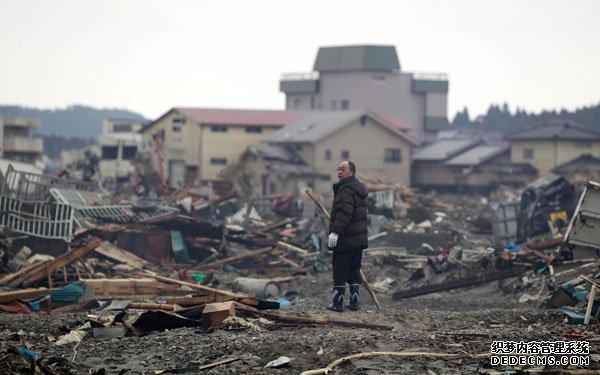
{"x": 176, "y": 129}
{"x": 178, "y": 120}
{"x": 344, "y": 104}
{"x": 298, "y": 147}
{"x": 219, "y": 129}
{"x": 392, "y": 155}
{"x": 122, "y": 128}
{"x": 345, "y": 154}
{"x": 327, "y": 154}
{"x": 129, "y": 152}
{"x": 378, "y": 79}
{"x": 272, "y": 188}
{"x": 110, "y": 152}
{"x": 528, "y": 153}
{"x": 218, "y": 161}
{"x": 363, "y": 120}
{"x": 254, "y": 129}
{"x": 297, "y": 102}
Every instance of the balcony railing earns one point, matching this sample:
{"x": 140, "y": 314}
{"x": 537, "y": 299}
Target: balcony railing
{"x": 299, "y": 76}
{"x": 23, "y": 144}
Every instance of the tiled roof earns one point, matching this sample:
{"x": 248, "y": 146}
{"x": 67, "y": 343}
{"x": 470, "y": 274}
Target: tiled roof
{"x": 314, "y": 126}
{"x": 444, "y": 149}
{"x": 478, "y": 154}
{"x": 241, "y": 116}
{"x": 556, "y": 129}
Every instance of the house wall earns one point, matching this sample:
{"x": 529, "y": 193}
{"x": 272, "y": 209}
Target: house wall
{"x": 382, "y": 92}
{"x": 366, "y": 145}
{"x": 548, "y": 154}
{"x": 228, "y": 145}
{"x": 432, "y": 173}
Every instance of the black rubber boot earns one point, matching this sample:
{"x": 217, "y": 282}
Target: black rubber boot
{"x": 354, "y": 294}
{"x": 337, "y": 303}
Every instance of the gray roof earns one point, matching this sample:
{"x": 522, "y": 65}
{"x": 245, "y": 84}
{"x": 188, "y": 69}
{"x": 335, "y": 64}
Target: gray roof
{"x": 444, "y": 149}
{"x": 274, "y": 152}
{"x": 365, "y": 57}
{"x": 478, "y": 154}
{"x": 585, "y": 161}
{"x": 556, "y": 129}
{"x": 317, "y": 125}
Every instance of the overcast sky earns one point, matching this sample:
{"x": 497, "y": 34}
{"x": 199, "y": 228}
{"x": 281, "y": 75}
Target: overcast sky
{"x": 148, "y": 56}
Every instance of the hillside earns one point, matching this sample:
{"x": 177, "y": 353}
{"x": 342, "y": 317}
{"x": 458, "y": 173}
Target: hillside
{"x": 74, "y": 121}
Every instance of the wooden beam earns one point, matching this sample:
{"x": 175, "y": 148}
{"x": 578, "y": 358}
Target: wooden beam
{"x": 194, "y": 286}
{"x": 236, "y": 258}
{"x": 62, "y": 261}
{"x": 461, "y": 283}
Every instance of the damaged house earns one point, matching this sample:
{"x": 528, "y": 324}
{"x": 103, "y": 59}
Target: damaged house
{"x": 468, "y": 164}
{"x": 552, "y": 144}
{"x": 190, "y": 144}
{"x": 378, "y": 145}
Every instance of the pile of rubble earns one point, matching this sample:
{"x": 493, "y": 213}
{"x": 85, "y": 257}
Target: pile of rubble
{"x": 186, "y": 260}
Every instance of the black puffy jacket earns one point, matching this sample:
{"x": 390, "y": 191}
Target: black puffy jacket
{"x": 349, "y": 214}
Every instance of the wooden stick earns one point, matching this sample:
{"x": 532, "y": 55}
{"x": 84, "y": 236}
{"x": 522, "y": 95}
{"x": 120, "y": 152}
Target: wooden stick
{"x": 151, "y": 306}
{"x": 235, "y": 258}
{"x": 363, "y": 278}
{"x": 288, "y": 246}
{"x": 193, "y": 286}
{"x": 221, "y": 362}
{"x": 588, "y": 311}
{"x": 322, "y": 321}
{"x": 330, "y": 367}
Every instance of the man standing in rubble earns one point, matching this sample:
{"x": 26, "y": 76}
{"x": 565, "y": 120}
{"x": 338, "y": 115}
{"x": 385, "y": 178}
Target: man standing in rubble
{"x": 347, "y": 235}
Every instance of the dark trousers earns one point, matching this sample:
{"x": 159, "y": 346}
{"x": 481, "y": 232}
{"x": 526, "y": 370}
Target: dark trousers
{"x": 346, "y": 267}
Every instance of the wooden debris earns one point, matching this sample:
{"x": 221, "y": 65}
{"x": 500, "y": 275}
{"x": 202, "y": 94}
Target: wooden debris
{"x": 215, "y": 313}
{"x": 333, "y": 364}
{"x": 151, "y": 306}
{"x": 236, "y": 258}
{"x": 218, "y": 363}
{"x": 22, "y": 294}
{"x": 60, "y": 262}
{"x": 124, "y": 287}
{"x": 115, "y": 253}
{"x": 322, "y": 321}
{"x": 194, "y": 286}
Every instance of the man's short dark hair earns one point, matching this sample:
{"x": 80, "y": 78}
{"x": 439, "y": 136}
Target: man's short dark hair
{"x": 352, "y": 166}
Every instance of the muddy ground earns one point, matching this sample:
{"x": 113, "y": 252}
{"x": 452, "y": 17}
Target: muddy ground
{"x": 448, "y": 322}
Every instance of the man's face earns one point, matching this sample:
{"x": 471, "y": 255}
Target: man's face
{"x": 343, "y": 170}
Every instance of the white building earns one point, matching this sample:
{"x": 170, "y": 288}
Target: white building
{"x": 119, "y": 143}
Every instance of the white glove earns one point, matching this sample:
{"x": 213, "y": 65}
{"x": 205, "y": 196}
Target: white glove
{"x": 332, "y": 241}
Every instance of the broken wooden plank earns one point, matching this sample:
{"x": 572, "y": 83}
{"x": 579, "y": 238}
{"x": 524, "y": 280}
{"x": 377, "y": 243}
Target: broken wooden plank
{"x": 124, "y": 287}
{"x": 461, "y": 283}
{"x": 151, "y": 306}
{"x": 120, "y": 255}
{"x": 236, "y": 258}
{"x": 22, "y": 294}
{"x": 321, "y": 321}
{"x": 202, "y": 300}
{"x": 215, "y": 313}
{"x": 20, "y": 274}
{"x": 61, "y": 261}
{"x": 288, "y": 246}
{"x": 221, "y": 362}
{"x": 194, "y": 286}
